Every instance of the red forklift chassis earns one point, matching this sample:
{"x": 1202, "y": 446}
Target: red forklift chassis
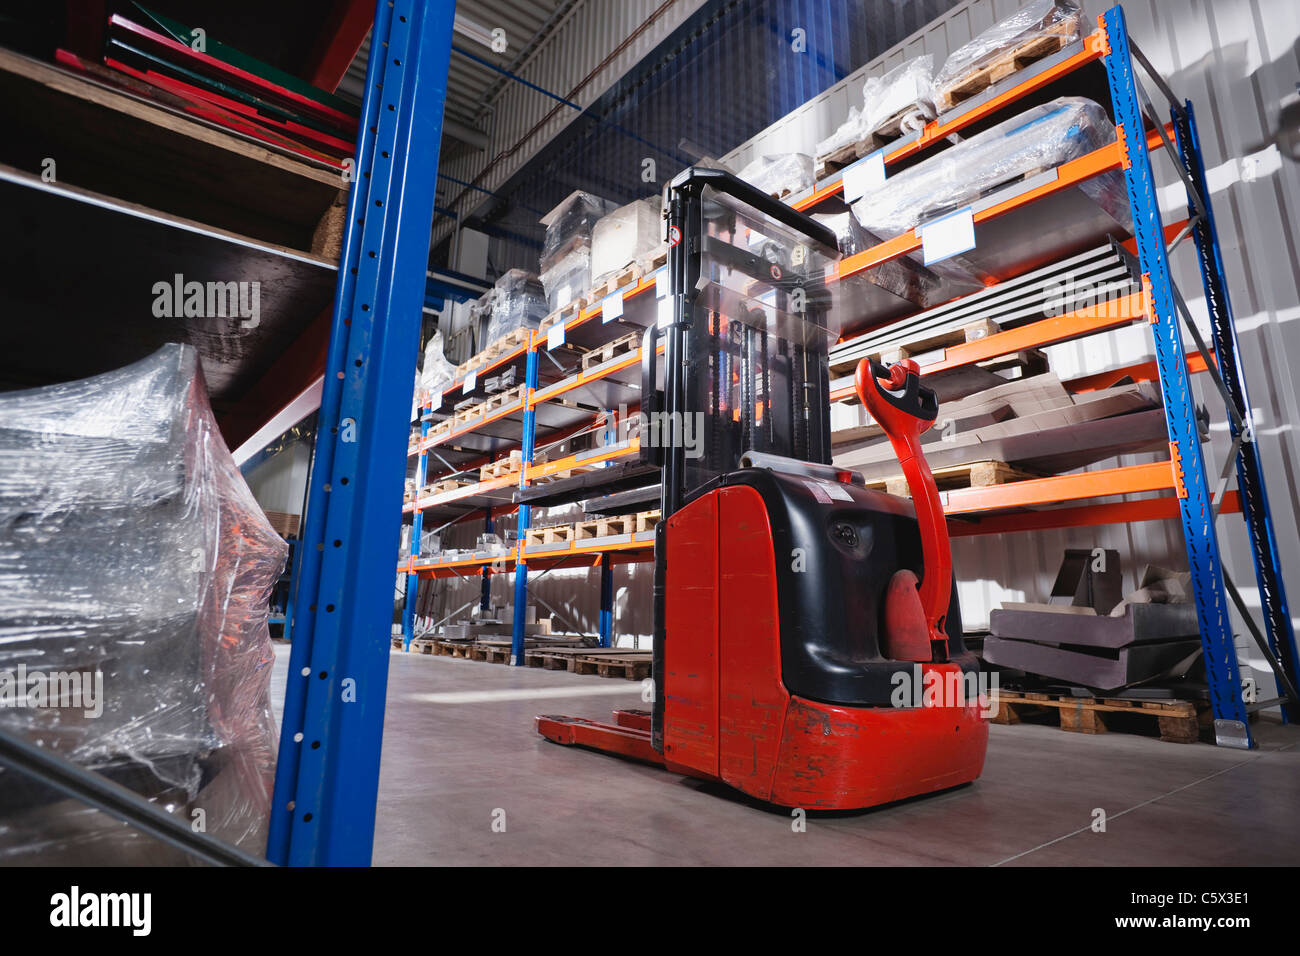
{"x": 796, "y": 610}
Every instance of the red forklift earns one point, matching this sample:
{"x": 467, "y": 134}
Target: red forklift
{"x": 808, "y": 642}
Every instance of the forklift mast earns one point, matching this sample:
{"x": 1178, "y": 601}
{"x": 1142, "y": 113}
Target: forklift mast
{"x": 747, "y": 343}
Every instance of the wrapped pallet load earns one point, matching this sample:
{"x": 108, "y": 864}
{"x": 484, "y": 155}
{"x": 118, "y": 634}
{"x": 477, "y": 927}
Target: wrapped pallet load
{"x": 1039, "y": 29}
{"x": 136, "y": 570}
{"x": 565, "y": 262}
{"x": 894, "y": 104}
{"x": 630, "y": 235}
{"x": 1036, "y": 140}
{"x": 518, "y": 302}
{"x": 780, "y": 175}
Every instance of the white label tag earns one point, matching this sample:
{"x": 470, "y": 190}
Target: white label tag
{"x": 435, "y": 401}
{"x": 863, "y": 176}
{"x": 555, "y": 337}
{"x": 665, "y": 312}
{"x": 611, "y": 307}
{"x": 953, "y": 234}
{"x": 469, "y": 383}
{"x": 563, "y": 296}
{"x": 661, "y": 283}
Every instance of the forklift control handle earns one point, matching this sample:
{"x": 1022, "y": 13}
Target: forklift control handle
{"x": 906, "y": 409}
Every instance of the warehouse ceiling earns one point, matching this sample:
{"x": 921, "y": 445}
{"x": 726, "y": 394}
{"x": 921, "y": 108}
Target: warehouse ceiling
{"x": 472, "y": 85}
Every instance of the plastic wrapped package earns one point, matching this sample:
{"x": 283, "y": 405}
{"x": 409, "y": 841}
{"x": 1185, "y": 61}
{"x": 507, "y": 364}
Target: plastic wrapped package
{"x": 849, "y": 132}
{"x": 905, "y": 89}
{"x": 436, "y": 373}
{"x": 1040, "y": 18}
{"x": 568, "y": 279}
{"x": 518, "y": 302}
{"x": 894, "y": 287}
{"x": 625, "y": 236}
{"x": 780, "y": 175}
{"x": 135, "y": 574}
{"x": 569, "y": 226}
{"x": 1038, "y": 139}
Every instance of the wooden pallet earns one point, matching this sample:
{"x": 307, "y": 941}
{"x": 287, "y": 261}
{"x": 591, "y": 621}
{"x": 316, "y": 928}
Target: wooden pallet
{"x": 892, "y": 128}
{"x": 551, "y": 534}
{"x": 975, "y": 474}
{"x": 502, "y": 467}
{"x": 627, "y": 666}
{"x": 1176, "y": 721}
{"x": 562, "y": 314}
{"x": 619, "y": 348}
{"x": 837, "y": 159}
{"x": 442, "y": 429}
{"x": 502, "y": 400}
{"x": 503, "y": 346}
{"x": 557, "y": 475}
{"x": 604, "y": 527}
{"x": 562, "y": 658}
{"x": 399, "y": 643}
{"x": 451, "y": 484}
{"x": 422, "y": 645}
{"x": 624, "y": 277}
{"x": 1004, "y": 64}
{"x": 646, "y": 520}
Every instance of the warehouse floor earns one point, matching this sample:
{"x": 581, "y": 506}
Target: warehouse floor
{"x": 459, "y": 748}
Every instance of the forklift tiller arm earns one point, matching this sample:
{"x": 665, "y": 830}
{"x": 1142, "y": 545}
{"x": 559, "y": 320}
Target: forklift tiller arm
{"x": 905, "y": 409}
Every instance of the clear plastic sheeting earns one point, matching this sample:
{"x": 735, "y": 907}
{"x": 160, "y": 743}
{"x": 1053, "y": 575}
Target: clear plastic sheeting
{"x": 518, "y": 302}
{"x": 1040, "y": 18}
{"x": 627, "y": 235}
{"x": 568, "y": 279}
{"x": 135, "y": 574}
{"x": 1038, "y": 139}
{"x": 437, "y": 373}
{"x": 780, "y": 175}
{"x": 569, "y": 226}
{"x": 906, "y": 90}
{"x": 848, "y": 133}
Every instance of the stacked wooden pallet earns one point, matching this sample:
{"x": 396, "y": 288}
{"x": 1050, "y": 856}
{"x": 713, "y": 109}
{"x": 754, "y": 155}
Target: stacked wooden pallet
{"x": 1175, "y": 721}
{"x": 510, "y": 465}
{"x": 621, "y": 662}
{"x": 621, "y": 347}
{"x": 1001, "y": 64}
{"x": 549, "y": 534}
{"x": 976, "y": 474}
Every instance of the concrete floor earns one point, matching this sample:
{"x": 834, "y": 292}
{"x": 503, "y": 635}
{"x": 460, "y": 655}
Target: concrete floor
{"x": 459, "y": 748}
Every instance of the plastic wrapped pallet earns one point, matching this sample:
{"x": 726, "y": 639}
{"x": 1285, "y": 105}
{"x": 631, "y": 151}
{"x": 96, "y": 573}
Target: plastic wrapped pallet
{"x": 569, "y": 226}
{"x": 907, "y": 280}
{"x": 1041, "y": 19}
{"x": 1038, "y": 139}
{"x": 568, "y": 279}
{"x": 780, "y": 175}
{"x": 518, "y": 302}
{"x": 624, "y": 236}
{"x": 904, "y": 90}
{"x": 135, "y": 562}
{"x": 848, "y": 133}
{"x": 436, "y": 373}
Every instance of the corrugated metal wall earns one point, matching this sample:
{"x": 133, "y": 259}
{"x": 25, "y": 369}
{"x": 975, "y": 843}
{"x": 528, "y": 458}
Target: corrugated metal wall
{"x": 524, "y": 120}
{"x": 1237, "y": 60}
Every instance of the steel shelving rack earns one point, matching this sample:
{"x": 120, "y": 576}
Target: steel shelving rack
{"x": 536, "y": 418}
{"x": 327, "y": 777}
{"x": 1101, "y": 63}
